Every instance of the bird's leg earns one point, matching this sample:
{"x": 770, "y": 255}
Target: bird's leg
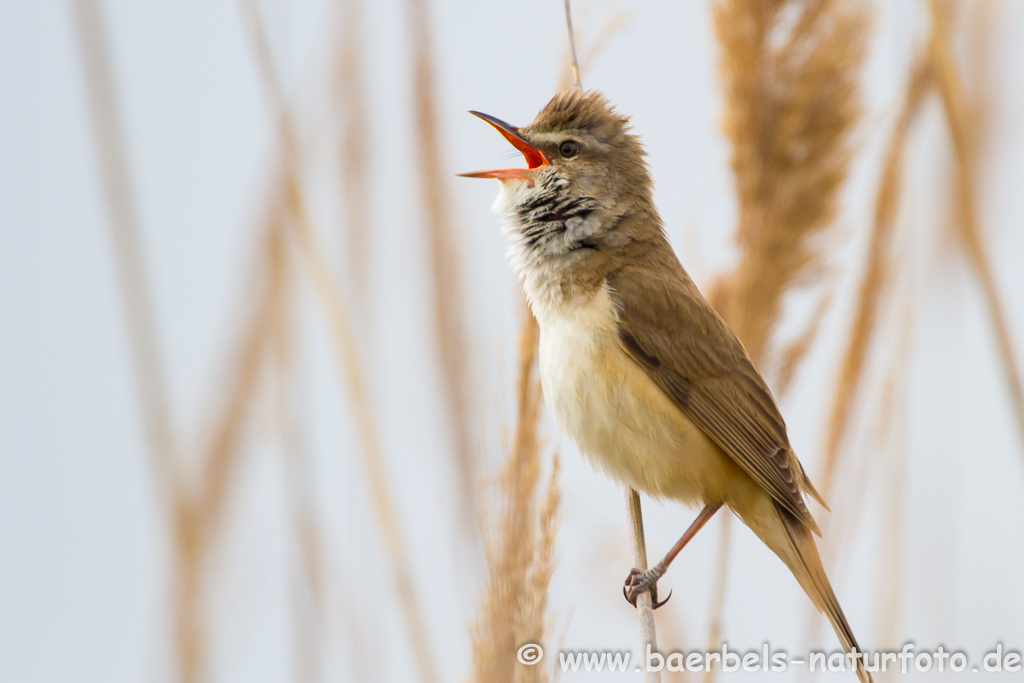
{"x": 639, "y": 581}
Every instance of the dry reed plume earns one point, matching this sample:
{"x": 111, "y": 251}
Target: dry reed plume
{"x": 790, "y": 73}
{"x": 519, "y": 540}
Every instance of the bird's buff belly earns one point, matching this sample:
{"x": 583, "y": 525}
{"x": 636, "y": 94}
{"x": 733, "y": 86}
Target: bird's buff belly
{"x": 620, "y": 420}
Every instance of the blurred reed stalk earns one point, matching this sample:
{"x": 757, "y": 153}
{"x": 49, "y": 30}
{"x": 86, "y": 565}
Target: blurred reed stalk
{"x": 875, "y": 287}
{"x": 308, "y": 610}
{"x": 351, "y": 101}
{"x": 890, "y": 433}
{"x": 717, "y": 610}
{"x": 197, "y": 518}
{"x": 875, "y": 281}
{"x": 958, "y": 118}
{"x": 192, "y": 513}
{"x": 311, "y": 256}
{"x": 934, "y": 68}
{"x": 519, "y": 540}
{"x": 380, "y": 489}
{"x": 112, "y": 155}
{"x": 675, "y": 638}
{"x": 790, "y": 73}
{"x": 451, "y": 335}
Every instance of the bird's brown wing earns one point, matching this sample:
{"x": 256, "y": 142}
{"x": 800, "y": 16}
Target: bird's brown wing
{"x": 669, "y": 329}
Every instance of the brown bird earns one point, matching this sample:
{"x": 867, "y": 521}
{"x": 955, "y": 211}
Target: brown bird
{"x": 637, "y": 367}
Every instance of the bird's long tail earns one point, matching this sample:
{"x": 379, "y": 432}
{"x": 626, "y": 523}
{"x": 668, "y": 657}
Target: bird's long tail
{"x": 803, "y": 560}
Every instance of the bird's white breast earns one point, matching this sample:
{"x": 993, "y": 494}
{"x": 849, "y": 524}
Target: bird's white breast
{"x": 614, "y": 412}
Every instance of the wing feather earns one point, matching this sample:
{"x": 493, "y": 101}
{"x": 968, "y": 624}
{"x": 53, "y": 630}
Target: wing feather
{"x": 693, "y": 355}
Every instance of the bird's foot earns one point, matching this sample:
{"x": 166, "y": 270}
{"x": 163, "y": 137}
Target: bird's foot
{"x": 640, "y": 581}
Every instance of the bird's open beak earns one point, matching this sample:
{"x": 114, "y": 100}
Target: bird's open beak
{"x": 534, "y": 157}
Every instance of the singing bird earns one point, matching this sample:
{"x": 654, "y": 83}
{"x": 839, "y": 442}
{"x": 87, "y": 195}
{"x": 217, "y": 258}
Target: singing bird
{"x": 637, "y": 367}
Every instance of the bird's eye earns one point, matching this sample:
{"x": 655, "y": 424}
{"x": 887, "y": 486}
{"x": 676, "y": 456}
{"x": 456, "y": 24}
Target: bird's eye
{"x": 569, "y": 148}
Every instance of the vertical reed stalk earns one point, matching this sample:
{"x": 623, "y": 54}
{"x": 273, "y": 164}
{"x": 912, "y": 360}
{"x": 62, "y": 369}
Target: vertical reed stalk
{"x": 644, "y": 604}
{"x": 574, "y": 62}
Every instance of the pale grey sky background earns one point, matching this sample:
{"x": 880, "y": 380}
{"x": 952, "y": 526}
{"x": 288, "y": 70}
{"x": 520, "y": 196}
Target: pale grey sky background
{"x": 84, "y": 552}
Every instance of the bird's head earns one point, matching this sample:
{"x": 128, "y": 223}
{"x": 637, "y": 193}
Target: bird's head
{"x": 585, "y": 172}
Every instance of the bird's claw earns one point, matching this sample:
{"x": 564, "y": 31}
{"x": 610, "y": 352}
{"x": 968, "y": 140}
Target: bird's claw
{"x": 640, "y": 581}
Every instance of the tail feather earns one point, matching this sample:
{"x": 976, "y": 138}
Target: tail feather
{"x": 805, "y": 563}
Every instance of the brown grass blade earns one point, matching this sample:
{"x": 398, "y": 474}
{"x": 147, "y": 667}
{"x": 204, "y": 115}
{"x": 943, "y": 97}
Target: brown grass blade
{"x": 451, "y": 334}
{"x": 519, "y": 539}
{"x": 954, "y": 102}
